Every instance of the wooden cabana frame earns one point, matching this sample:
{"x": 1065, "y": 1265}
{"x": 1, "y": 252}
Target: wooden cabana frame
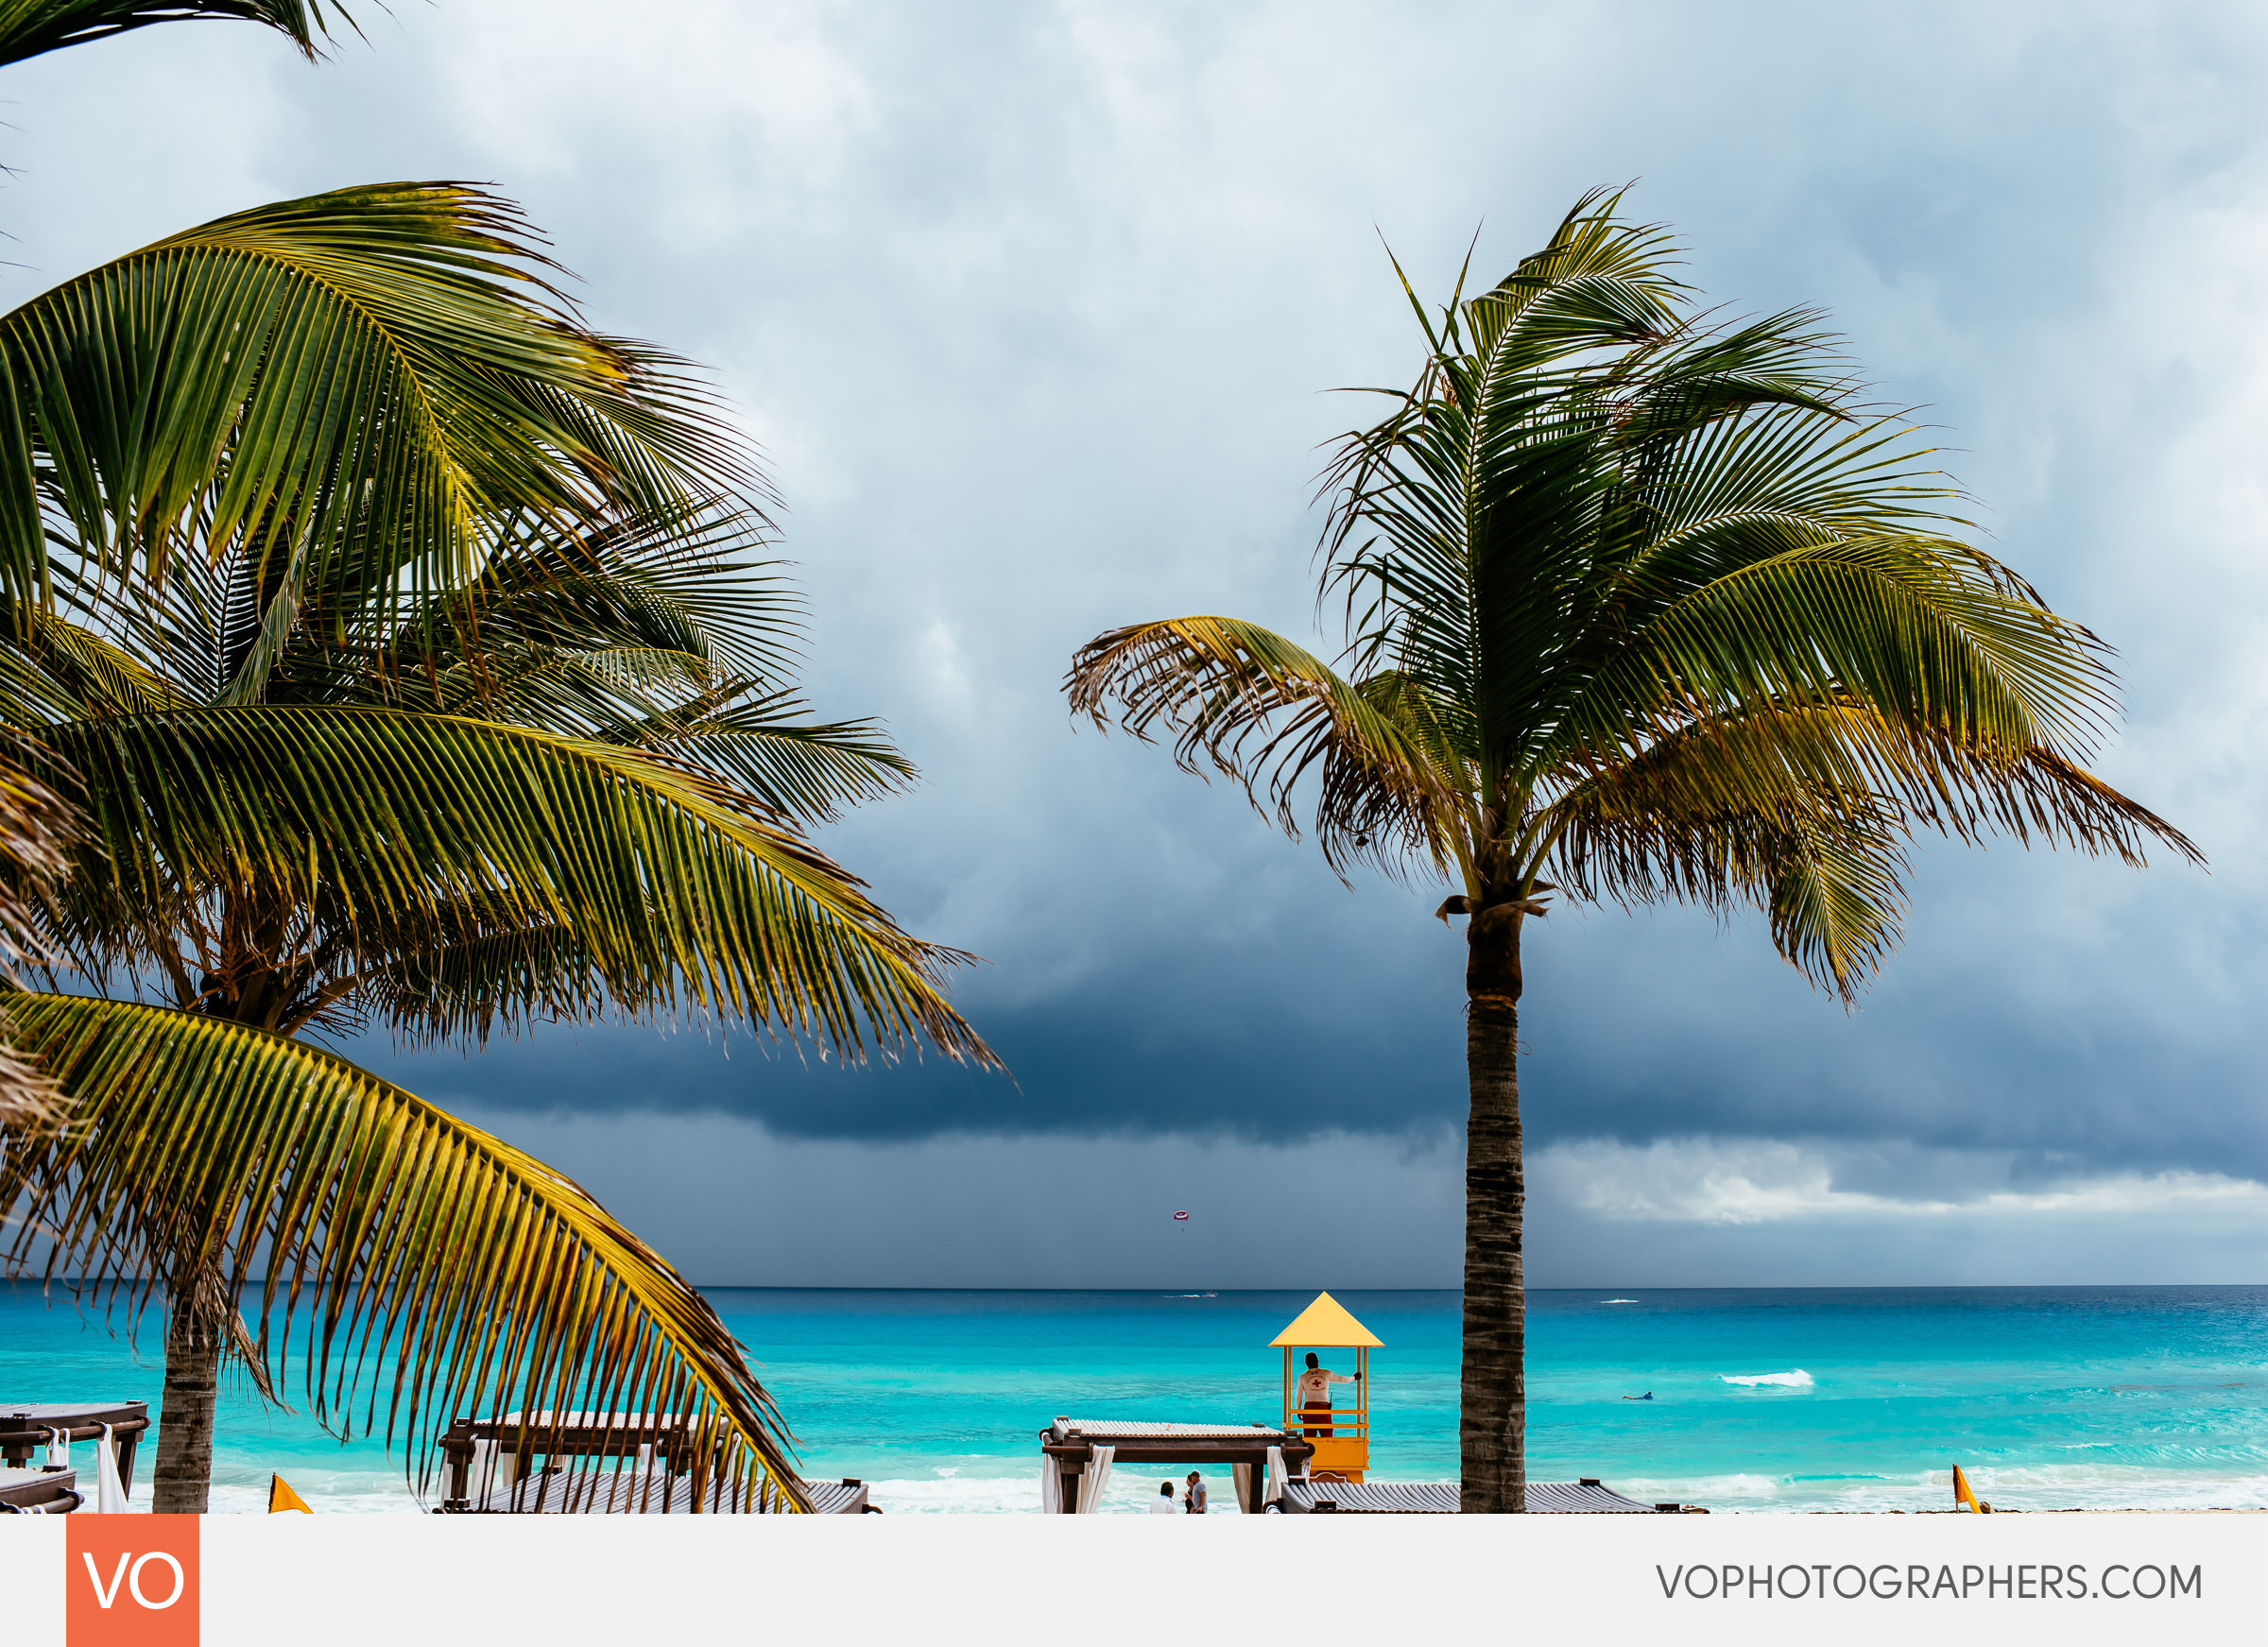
{"x": 531, "y": 1479}
{"x": 40, "y": 1492}
{"x": 1071, "y": 1444}
{"x": 25, "y": 1426}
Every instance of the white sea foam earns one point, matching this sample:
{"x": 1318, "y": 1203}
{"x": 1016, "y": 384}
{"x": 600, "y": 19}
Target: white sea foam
{"x": 1618, "y": 1300}
{"x": 1799, "y": 1379}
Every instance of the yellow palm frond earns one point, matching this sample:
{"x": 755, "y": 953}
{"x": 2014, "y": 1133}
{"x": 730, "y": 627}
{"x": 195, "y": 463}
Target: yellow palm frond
{"x": 414, "y": 1265}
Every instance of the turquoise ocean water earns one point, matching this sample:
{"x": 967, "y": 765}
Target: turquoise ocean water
{"x": 1764, "y": 1399}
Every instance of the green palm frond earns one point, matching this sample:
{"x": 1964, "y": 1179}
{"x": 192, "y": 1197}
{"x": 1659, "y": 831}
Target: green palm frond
{"x": 415, "y": 1263}
{"x": 1835, "y": 894}
{"x": 1260, "y": 710}
{"x": 341, "y": 390}
{"x": 28, "y": 27}
{"x": 676, "y": 578}
{"x": 1899, "y": 621}
{"x": 802, "y": 769}
{"x": 369, "y": 832}
{"x": 506, "y": 970}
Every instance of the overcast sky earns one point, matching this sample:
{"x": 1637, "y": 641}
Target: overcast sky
{"x": 1033, "y": 309}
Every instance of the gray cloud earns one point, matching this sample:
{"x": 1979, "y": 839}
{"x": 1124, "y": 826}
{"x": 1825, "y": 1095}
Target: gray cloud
{"x": 1031, "y": 306}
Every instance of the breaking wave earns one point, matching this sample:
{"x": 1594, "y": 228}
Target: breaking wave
{"x": 1799, "y": 1379}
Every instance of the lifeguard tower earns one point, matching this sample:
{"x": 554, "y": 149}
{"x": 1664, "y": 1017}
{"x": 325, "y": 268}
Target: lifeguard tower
{"x": 1342, "y": 1443}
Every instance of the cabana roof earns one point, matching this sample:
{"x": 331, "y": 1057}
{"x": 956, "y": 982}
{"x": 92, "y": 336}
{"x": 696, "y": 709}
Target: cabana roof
{"x": 1325, "y": 1324}
{"x": 1380, "y": 1498}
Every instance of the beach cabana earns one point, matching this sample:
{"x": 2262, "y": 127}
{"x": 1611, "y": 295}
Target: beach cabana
{"x": 1077, "y": 1455}
{"x": 40, "y": 1492}
{"x": 1341, "y": 1435}
{"x": 604, "y": 1464}
{"x": 29, "y": 1430}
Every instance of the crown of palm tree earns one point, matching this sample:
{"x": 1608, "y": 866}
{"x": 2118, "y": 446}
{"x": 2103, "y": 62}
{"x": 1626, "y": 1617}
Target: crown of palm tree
{"x": 1643, "y": 607}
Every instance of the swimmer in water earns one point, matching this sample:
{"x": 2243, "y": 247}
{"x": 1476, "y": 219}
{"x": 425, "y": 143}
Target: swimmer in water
{"x": 1648, "y": 1396}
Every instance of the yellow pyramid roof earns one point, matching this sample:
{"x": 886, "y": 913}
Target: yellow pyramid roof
{"x": 1325, "y": 1322}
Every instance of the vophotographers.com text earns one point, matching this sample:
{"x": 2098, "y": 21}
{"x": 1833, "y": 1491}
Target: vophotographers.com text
{"x": 1894, "y": 1581}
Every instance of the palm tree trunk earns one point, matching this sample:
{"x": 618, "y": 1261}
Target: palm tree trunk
{"x": 1493, "y": 1412}
{"x": 182, "y": 1478}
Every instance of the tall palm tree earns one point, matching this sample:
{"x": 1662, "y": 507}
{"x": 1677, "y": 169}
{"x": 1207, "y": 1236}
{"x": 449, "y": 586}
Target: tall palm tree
{"x": 401, "y": 643}
{"x": 1638, "y": 608}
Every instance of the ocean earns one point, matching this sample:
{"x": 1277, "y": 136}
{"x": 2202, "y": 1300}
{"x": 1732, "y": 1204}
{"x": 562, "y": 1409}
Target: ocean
{"x": 1764, "y": 1399}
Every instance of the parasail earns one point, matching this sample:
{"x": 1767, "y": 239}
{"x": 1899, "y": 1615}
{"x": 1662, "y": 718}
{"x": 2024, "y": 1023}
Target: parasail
{"x": 1180, "y": 1218}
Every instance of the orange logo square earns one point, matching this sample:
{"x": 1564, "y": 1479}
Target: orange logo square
{"x": 131, "y": 1581}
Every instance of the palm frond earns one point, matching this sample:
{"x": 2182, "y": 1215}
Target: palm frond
{"x": 417, "y": 1264}
{"x": 348, "y": 385}
{"x": 1800, "y": 809}
{"x": 802, "y": 769}
{"x": 679, "y": 578}
{"x": 1911, "y": 626}
{"x": 1260, "y": 710}
{"x": 351, "y": 837}
{"x": 28, "y": 27}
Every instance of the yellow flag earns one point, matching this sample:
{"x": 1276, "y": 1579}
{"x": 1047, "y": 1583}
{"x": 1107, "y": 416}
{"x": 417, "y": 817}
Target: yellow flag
{"x": 1962, "y": 1498}
{"x": 280, "y": 1498}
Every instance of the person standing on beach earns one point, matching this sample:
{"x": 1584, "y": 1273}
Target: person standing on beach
{"x": 1194, "y": 1501}
{"x": 1315, "y": 1396}
{"x": 1163, "y": 1504}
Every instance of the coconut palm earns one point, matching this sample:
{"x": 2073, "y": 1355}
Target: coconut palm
{"x": 1640, "y": 607}
{"x": 404, "y": 646}
{"x": 481, "y": 719}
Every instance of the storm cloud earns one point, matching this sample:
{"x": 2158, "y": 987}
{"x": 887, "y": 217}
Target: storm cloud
{"x": 1032, "y": 308}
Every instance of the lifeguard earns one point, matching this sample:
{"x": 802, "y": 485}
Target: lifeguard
{"x": 1341, "y": 1436}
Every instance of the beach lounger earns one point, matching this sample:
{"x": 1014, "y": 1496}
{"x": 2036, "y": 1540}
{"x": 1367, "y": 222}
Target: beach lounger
{"x": 28, "y": 1428}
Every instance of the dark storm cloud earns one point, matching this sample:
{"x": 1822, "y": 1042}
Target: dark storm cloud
{"x": 1031, "y": 306}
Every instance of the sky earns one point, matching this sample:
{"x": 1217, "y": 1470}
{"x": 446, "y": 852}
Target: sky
{"x": 1036, "y": 310}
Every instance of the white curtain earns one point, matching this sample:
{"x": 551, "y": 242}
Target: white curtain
{"x": 492, "y": 1467}
{"x": 1244, "y": 1486}
{"x": 110, "y": 1493}
{"x": 1272, "y": 1492}
{"x": 1094, "y": 1478}
{"x": 1051, "y": 1486}
{"x": 59, "y": 1449}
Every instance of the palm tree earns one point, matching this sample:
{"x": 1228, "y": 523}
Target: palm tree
{"x": 401, "y": 643}
{"x": 1638, "y": 608}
